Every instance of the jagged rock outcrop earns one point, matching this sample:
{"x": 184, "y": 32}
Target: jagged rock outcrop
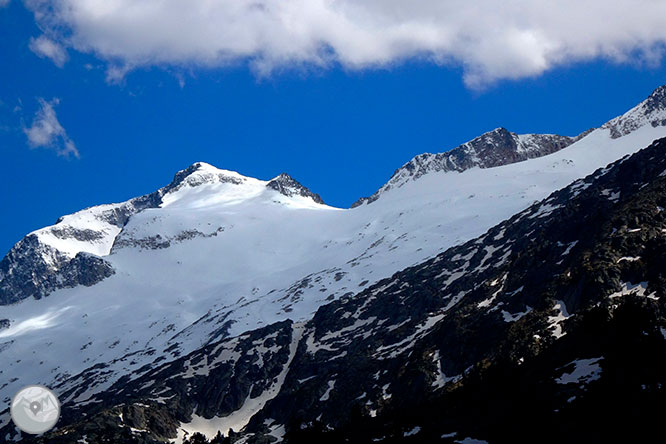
{"x": 32, "y": 269}
{"x": 288, "y": 186}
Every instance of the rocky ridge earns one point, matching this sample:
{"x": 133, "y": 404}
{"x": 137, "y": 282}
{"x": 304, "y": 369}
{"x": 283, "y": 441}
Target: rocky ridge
{"x": 492, "y": 149}
{"x": 651, "y": 111}
{"x": 501, "y": 147}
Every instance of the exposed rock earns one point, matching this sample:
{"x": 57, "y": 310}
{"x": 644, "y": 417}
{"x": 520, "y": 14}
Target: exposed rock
{"x": 33, "y": 269}
{"x": 85, "y": 269}
{"x": 29, "y": 269}
{"x": 288, "y": 186}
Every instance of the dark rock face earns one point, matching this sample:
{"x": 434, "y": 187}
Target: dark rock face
{"x": 288, "y": 186}
{"x": 498, "y": 147}
{"x": 492, "y": 149}
{"x": 4, "y": 323}
{"x": 85, "y": 269}
{"x": 549, "y": 327}
{"x": 25, "y": 272}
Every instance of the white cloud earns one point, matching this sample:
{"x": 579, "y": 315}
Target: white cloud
{"x": 46, "y": 48}
{"x": 4, "y": 3}
{"x": 490, "y": 39}
{"x": 47, "y": 132}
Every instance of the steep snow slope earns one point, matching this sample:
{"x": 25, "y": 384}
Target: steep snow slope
{"x": 220, "y": 254}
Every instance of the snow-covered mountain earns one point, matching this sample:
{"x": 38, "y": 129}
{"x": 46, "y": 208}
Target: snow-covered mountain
{"x": 112, "y": 290}
{"x": 42, "y": 261}
{"x": 492, "y": 149}
{"x": 541, "y": 329}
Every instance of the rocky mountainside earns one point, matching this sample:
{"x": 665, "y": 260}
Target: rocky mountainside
{"x": 550, "y": 326}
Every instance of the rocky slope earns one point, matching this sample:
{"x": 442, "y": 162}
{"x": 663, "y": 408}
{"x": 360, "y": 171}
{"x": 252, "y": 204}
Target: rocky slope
{"x": 550, "y": 326}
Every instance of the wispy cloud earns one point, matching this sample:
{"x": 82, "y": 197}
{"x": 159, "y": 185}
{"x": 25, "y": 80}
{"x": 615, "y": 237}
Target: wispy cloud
{"x": 489, "y": 39}
{"x": 47, "y": 132}
{"x": 4, "y": 3}
{"x": 46, "y": 48}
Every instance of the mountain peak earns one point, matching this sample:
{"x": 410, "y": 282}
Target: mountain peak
{"x": 651, "y": 111}
{"x": 200, "y": 173}
{"x": 499, "y": 131}
{"x": 491, "y": 149}
{"x": 288, "y": 186}
{"x": 657, "y": 100}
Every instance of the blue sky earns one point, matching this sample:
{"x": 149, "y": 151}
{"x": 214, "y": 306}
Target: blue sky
{"x": 338, "y": 128}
